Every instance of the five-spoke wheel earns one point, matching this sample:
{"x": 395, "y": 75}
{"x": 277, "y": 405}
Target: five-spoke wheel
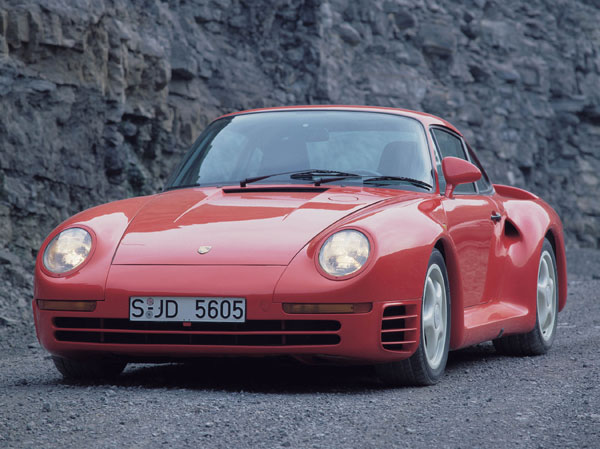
{"x": 546, "y": 295}
{"x": 435, "y": 312}
{"x": 426, "y": 366}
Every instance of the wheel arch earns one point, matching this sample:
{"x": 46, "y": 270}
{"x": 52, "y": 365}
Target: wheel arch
{"x": 457, "y": 318}
{"x": 556, "y": 240}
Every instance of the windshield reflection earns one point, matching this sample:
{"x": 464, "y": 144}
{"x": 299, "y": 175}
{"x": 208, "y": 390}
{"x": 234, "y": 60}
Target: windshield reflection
{"x": 276, "y": 144}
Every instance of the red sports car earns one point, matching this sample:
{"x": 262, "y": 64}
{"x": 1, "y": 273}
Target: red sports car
{"x": 339, "y": 233}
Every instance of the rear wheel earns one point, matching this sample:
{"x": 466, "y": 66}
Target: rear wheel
{"x": 541, "y": 337}
{"x": 426, "y": 366}
{"x": 88, "y": 369}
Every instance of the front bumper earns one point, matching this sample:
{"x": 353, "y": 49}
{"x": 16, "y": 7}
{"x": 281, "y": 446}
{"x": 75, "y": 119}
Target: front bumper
{"x": 388, "y": 332}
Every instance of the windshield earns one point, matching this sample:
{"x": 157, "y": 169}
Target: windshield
{"x": 373, "y": 147}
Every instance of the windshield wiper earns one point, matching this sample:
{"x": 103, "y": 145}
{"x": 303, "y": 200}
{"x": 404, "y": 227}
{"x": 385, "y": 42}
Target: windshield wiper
{"x": 329, "y": 175}
{"x": 325, "y": 177}
{"x": 382, "y": 179}
{"x": 305, "y": 174}
{"x": 243, "y": 182}
{"x": 309, "y": 174}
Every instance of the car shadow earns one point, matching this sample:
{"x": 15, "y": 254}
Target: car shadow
{"x": 473, "y": 355}
{"x": 261, "y": 375}
{"x": 274, "y": 374}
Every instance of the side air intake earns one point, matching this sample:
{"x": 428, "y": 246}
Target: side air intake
{"x": 510, "y": 230}
{"x": 400, "y": 327}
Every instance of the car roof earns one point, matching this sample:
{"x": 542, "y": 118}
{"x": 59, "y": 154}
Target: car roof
{"x": 426, "y": 119}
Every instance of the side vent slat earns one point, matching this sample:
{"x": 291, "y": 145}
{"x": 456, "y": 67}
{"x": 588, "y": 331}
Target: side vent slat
{"x": 399, "y": 327}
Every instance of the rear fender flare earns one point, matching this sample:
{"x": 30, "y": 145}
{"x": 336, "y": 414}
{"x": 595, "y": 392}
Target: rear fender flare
{"x": 534, "y": 221}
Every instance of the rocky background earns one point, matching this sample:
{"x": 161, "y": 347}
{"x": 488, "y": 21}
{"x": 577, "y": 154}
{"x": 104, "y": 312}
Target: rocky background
{"x": 99, "y": 99}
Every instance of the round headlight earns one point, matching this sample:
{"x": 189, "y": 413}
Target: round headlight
{"x": 67, "y": 250}
{"x": 344, "y": 252}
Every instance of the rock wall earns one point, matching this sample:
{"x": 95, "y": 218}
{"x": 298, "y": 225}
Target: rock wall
{"x": 99, "y": 99}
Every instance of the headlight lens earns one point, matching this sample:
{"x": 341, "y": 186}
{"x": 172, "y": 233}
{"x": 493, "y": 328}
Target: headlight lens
{"x": 67, "y": 250}
{"x": 344, "y": 252}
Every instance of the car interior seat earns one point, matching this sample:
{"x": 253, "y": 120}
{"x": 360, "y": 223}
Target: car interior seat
{"x": 404, "y": 159}
{"x": 285, "y": 155}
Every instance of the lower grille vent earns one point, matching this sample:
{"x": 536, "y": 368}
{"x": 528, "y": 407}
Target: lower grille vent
{"x": 399, "y": 327}
{"x": 250, "y": 333}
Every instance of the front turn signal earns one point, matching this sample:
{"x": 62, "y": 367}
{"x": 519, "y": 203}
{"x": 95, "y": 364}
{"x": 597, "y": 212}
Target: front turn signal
{"x": 67, "y": 306}
{"x": 362, "y": 307}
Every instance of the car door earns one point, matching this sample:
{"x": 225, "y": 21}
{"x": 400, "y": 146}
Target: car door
{"x": 472, "y": 216}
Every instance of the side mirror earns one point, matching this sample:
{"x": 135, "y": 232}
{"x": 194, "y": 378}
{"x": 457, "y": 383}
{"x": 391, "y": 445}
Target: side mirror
{"x": 458, "y": 171}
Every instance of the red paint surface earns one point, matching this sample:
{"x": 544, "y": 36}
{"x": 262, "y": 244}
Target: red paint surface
{"x": 264, "y": 248}
{"x": 242, "y": 228}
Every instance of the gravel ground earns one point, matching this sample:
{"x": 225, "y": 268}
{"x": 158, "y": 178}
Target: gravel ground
{"x": 485, "y": 400}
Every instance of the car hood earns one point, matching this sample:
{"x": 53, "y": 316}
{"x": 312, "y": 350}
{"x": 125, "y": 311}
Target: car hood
{"x": 242, "y": 226}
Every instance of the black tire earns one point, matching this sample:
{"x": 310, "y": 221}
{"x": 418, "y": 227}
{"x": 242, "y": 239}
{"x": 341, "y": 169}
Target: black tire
{"x": 88, "y": 369}
{"x": 533, "y": 342}
{"x": 416, "y": 370}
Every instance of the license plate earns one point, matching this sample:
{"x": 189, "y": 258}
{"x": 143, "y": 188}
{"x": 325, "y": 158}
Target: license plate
{"x": 217, "y": 310}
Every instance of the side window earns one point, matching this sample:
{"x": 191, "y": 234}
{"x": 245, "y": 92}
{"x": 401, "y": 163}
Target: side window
{"x": 450, "y": 145}
{"x": 484, "y": 184}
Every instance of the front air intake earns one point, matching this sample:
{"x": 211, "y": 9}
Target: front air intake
{"x": 400, "y": 327}
{"x": 250, "y": 333}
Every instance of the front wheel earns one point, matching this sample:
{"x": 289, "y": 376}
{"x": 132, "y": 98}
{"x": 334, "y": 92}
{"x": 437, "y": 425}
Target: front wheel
{"x": 88, "y": 369}
{"x": 539, "y": 340}
{"x": 426, "y": 366}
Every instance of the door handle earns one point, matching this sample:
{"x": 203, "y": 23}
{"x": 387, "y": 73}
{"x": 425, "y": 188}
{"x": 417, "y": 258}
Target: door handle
{"x": 496, "y": 217}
